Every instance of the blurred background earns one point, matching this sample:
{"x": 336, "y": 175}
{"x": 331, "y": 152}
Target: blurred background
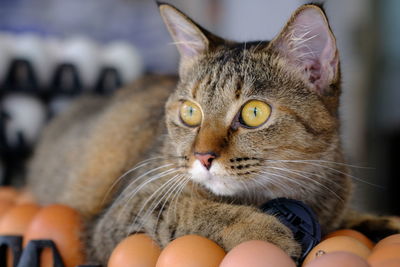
{"x": 53, "y": 50}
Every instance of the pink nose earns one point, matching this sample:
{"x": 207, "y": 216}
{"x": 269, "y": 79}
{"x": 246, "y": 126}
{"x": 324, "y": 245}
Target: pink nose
{"x": 205, "y": 158}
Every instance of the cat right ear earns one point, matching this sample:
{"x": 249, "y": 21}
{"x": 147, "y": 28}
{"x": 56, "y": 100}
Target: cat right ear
{"x": 189, "y": 38}
{"x": 308, "y": 43}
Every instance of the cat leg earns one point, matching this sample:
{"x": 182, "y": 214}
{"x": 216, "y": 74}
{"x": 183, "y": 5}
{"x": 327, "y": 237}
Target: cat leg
{"x": 102, "y": 234}
{"x": 226, "y": 224}
{"x": 373, "y": 226}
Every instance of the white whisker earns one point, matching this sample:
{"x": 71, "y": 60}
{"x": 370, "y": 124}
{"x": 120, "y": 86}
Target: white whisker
{"x": 137, "y": 166}
{"x": 161, "y": 189}
{"x": 304, "y": 185}
{"x": 165, "y": 197}
{"x": 132, "y": 194}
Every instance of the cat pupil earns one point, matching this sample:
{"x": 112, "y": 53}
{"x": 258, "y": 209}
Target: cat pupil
{"x": 255, "y": 112}
{"x": 191, "y": 111}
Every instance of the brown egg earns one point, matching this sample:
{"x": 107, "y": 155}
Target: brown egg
{"x": 256, "y": 253}
{"x": 387, "y": 263}
{"x": 17, "y": 219}
{"x": 135, "y": 251}
{"x": 61, "y": 224}
{"x": 386, "y": 252}
{"x": 338, "y": 243}
{"x": 5, "y": 205}
{"x": 392, "y": 239}
{"x": 25, "y": 197}
{"x": 352, "y": 233}
{"x": 338, "y": 259}
{"x": 191, "y": 251}
{"x": 8, "y": 193}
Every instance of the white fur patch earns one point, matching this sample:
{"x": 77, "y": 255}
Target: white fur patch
{"x": 216, "y": 179}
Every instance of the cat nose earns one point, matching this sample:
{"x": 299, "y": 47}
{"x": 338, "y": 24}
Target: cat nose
{"x": 206, "y": 158}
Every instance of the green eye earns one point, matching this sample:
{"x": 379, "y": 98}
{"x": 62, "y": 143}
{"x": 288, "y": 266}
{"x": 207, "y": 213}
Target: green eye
{"x": 190, "y": 114}
{"x": 255, "y": 113}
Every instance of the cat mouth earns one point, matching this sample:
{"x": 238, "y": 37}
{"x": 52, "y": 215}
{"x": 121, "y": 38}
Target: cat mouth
{"x": 215, "y": 180}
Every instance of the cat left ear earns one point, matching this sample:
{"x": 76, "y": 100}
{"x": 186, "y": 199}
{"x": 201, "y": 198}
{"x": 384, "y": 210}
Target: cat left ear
{"x": 308, "y": 43}
{"x": 188, "y": 36}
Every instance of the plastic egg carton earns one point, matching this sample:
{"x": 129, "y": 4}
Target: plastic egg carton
{"x": 39, "y": 76}
{"x": 39, "y": 60}
{"x": 30, "y": 256}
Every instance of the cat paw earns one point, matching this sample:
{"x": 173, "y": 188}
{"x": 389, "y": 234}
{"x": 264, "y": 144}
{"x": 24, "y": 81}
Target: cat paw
{"x": 377, "y": 228}
{"x": 261, "y": 227}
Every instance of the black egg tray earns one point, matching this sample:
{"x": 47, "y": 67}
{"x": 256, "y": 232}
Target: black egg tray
{"x": 13, "y": 157}
{"x": 30, "y": 256}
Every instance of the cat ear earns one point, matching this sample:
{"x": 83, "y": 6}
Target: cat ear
{"x": 308, "y": 43}
{"x": 188, "y": 36}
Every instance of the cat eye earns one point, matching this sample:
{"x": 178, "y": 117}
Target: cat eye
{"x": 254, "y": 113}
{"x": 190, "y": 114}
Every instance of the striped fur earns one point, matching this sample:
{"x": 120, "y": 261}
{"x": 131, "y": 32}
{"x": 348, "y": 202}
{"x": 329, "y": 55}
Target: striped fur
{"x": 128, "y": 165}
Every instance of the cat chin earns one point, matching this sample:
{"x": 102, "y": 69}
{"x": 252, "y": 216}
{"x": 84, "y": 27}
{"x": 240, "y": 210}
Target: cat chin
{"x": 215, "y": 180}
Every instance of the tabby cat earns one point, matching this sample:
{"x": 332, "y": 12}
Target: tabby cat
{"x": 244, "y": 123}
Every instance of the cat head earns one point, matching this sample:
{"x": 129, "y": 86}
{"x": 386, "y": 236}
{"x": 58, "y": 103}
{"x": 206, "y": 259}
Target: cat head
{"x": 259, "y": 114}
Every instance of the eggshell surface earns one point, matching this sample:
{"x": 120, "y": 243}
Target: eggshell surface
{"x": 256, "y": 253}
{"x": 338, "y": 243}
{"x": 386, "y": 263}
{"x": 61, "y": 224}
{"x": 5, "y": 205}
{"x": 383, "y": 253}
{"x": 352, "y": 233}
{"x": 17, "y": 219}
{"x": 392, "y": 239}
{"x": 25, "y": 197}
{"x": 191, "y": 251}
{"x": 338, "y": 259}
{"x": 8, "y": 193}
{"x": 137, "y": 250}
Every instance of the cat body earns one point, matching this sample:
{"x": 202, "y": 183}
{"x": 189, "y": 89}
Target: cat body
{"x": 244, "y": 123}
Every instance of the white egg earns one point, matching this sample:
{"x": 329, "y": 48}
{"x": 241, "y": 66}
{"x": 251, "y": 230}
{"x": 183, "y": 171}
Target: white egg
{"x": 27, "y": 117}
{"x": 125, "y": 58}
{"x": 53, "y": 48}
{"x": 31, "y": 48}
{"x": 6, "y": 44}
{"x": 82, "y": 53}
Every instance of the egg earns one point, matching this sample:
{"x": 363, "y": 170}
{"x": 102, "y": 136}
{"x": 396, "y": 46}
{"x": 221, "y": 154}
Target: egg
{"x": 338, "y": 259}
{"x": 352, "y": 233}
{"x": 25, "y": 197}
{"x": 15, "y": 222}
{"x": 125, "y": 58}
{"x": 63, "y": 225}
{"x": 256, "y": 253}
{"x": 6, "y": 44}
{"x": 392, "y": 239}
{"x": 191, "y": 251}
{"x": 386, "y": 252}
{"x": 17, "y": 219}
{"x": 386, "y": 263}
{"x": 31, "y": 47}
{"x": 338, "y": 243}
{"x": 137, "y": 250}
{"x": 8, "y": 193}
{"x": 84, "y": 54}
{"x": 5, "y": 205}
